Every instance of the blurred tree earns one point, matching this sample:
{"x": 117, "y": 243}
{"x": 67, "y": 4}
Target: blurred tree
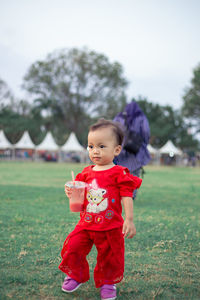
{"x": 73, "y": 87}
{"x": 6, "y": 96}
{"x": 191, "y": 101}
{"x": 166, "y": 124}
{"x": 15, "y": 121}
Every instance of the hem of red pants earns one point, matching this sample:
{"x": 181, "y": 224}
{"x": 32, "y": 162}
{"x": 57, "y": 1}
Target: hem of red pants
{"x": 72, "y": 276}
{"x": 98, "y": 285}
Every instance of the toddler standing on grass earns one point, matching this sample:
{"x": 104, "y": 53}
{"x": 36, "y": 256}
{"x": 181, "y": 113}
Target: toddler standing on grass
{"x": 101, "y": 221}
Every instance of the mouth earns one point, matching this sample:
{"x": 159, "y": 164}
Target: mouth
{"x": 96, "y": 158}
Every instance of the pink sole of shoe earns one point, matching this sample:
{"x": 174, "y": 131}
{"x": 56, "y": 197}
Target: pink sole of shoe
{"x": 66, "y": 291}
{"x": 109, "y": 298}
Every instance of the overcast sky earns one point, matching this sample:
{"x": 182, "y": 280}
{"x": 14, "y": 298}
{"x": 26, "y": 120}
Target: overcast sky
{"x": 156, "y": 41}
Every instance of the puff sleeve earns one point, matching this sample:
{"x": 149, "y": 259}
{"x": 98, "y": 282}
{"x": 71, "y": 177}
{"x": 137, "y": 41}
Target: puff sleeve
{"x": 82, "y": 176}
{"x": 79, "y": 177}
{"x": 127, "y": 183}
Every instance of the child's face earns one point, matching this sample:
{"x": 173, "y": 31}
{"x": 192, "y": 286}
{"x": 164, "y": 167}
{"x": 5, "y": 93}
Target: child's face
{"x": 102, "y": 146}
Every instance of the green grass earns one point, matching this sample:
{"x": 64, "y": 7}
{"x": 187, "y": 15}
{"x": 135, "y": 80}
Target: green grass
{"x": 162, "y": 261}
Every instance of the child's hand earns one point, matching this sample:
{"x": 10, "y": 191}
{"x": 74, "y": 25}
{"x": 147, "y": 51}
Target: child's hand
{"x": 68, "y": 191}
{"x": 129, "y": 229}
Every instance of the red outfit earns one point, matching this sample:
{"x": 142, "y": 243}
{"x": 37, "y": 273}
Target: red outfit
{"x": 100, "y": 224}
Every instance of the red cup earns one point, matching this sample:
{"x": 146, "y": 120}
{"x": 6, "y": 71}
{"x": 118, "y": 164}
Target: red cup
{"x": 76, "y": 200}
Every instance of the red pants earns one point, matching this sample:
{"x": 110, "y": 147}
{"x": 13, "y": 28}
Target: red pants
{"x": 110, "y": 259}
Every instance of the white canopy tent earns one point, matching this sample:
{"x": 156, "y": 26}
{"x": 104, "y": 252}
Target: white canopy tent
{"x": 154, "y": 153}
{"x": 4, "y": 143}
{"x": 170, "y": 154}
{"x": 48, "y": 143}
{"x": 170, "y": 148}
{"x": 72, "y": 144}
{"x": 151, "y": 149}
{"x": 25, "y": 142}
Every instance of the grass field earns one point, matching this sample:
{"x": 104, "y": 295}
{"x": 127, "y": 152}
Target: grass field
{"x": 162, "y": 261}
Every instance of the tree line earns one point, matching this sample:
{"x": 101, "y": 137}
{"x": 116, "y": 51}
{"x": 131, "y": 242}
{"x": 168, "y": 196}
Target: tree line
{"x": 72, "y": 88}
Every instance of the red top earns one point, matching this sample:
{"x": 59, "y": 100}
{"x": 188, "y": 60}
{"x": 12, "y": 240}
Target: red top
{"x": 102, "y": 206}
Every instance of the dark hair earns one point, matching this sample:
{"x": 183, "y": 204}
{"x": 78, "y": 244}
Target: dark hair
{"x": 115, "y": 126}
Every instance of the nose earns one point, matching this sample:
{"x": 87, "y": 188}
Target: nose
{"x": 96, "y": 150}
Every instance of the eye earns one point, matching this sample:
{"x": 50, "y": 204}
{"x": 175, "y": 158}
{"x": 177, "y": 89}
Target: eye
{"x": 89, "y": 147}
{"x": 102, "y": 146}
